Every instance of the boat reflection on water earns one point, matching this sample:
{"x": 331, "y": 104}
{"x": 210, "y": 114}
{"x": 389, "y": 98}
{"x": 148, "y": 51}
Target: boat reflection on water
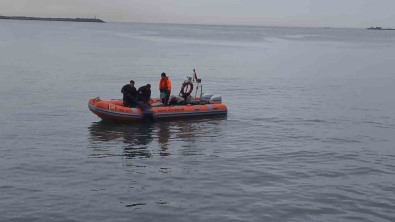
{"x": 142, "y": 140}
{"x": 104, "y": 136}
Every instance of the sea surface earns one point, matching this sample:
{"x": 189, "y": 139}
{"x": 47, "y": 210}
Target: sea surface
{"x": 310, "y": 133}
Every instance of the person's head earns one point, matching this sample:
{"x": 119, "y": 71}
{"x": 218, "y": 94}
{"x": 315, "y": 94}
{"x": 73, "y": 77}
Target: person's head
{"x": 149, "y": 86}
{"x": 131, "y": 83}
{"x": 163, "y": 75}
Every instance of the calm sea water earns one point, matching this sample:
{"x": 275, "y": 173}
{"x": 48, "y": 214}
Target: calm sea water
{"x": 309, "y": 135}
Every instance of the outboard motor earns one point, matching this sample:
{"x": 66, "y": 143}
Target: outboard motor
{"x": 216, "y": 99}
{"x": 206, "y": 97}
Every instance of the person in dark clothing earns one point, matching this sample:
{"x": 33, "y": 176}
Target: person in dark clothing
{"x": 144, "y": 94}
{"x": 143, "y": 97}
{"x": 129, "y": 94}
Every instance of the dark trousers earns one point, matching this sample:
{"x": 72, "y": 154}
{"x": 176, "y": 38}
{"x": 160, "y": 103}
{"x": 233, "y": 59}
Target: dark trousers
{"x": 166, "y": 99}
{"x": 129, "y": 102}
{"x": 143, "y": 106}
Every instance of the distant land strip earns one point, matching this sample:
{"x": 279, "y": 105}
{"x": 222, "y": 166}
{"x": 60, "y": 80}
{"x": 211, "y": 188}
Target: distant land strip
{"x": 53, "y": 19}
{"x": 378, "y": 28}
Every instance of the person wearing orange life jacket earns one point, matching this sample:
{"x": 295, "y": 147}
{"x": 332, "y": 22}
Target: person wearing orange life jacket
{"x": 165, "y": 88}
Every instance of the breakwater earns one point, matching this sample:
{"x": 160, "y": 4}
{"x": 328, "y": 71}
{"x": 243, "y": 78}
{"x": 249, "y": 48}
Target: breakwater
{"x": 53, "y": 19}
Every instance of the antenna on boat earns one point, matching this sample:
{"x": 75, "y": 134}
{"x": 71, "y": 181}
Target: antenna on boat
{"x": 199, "y": 83}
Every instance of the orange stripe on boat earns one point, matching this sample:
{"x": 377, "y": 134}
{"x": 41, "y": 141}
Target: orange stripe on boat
{"x": 114, "y": 110}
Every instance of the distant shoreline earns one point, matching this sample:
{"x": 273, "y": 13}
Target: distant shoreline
{"x": 378, "y": 28}
{"x": 53, "y": 19}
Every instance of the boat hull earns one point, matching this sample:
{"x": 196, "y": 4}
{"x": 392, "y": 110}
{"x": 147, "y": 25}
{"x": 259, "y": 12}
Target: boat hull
{"x": 115, "y": 111}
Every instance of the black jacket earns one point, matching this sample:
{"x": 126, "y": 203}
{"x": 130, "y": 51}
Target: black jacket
{"x": 129, "y": 92}
{"x": 144, "y": 94}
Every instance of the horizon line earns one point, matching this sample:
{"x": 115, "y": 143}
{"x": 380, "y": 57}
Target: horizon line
{"x": 208, "y": 24}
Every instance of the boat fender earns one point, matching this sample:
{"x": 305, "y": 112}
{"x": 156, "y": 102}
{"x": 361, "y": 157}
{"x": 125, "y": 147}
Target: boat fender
{"x": 186, "y": 89}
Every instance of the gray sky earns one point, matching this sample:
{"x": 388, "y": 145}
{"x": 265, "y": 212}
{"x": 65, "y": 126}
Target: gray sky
{"x": 316, "y": 13}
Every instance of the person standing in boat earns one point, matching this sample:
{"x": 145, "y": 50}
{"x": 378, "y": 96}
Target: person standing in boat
{"x": 129, "y": 94}
{"x": 165, "y": 88}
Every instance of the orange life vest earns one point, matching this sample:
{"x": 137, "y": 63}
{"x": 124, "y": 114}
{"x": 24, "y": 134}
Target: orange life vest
{"x": 165, "y": 83}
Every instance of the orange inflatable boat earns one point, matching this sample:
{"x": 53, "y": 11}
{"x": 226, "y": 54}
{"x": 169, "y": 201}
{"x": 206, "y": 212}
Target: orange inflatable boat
{"x": 115, "y": 111}
{"x": 185, "y": 105}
